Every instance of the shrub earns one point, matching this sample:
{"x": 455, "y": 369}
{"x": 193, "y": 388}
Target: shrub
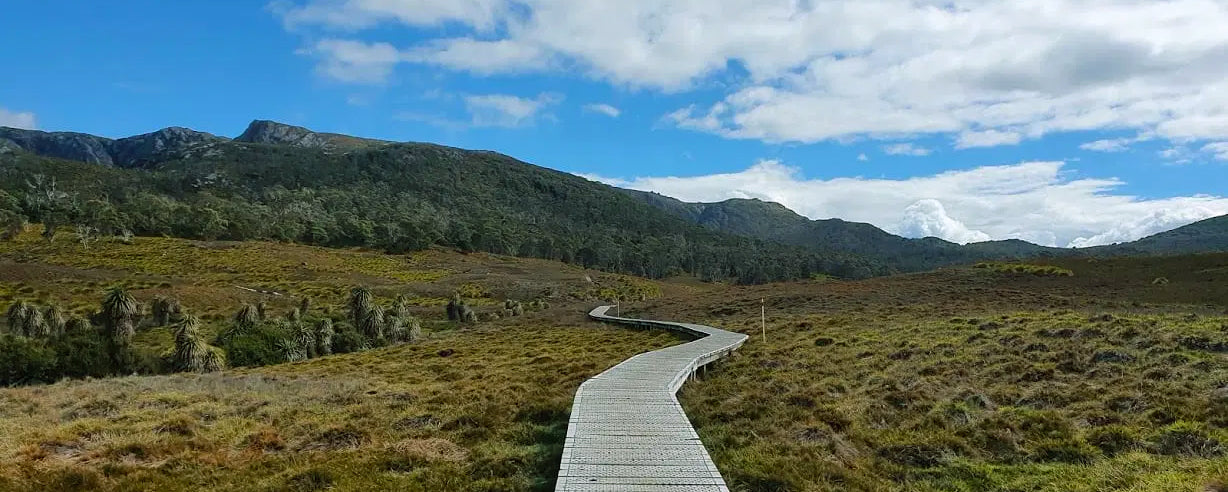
{"x": 26, "y": 361}
{"x": 1023, "y": 268}
{"x": 83, "y": 352}
{"x": 349, "y": 340}
{"x": 261, "y": 346}
{"x": 455, "y": 307}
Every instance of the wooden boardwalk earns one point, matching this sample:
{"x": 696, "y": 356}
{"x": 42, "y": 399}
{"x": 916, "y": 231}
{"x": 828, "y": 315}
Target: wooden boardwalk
{"x": 628, "y": 433}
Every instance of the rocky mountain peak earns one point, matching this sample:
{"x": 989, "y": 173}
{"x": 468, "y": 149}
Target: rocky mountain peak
{"x": 272, "y": 132}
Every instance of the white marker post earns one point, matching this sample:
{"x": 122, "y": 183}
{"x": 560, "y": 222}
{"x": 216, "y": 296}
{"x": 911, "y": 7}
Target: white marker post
{"x": 763, "y": 317}
{"x": 618, "y": 307}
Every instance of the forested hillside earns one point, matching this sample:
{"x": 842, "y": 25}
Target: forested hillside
{"x": 394, "y": 197}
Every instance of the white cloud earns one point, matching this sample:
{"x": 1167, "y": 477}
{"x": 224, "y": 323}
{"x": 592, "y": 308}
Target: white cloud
{"x": 354, "y": 61}
{"x": 928, "y": 218}
{"x": 1217, "y": 149}
{"x": 15, "y": 119}
{"x": 605, "y": 109}
{"x": 506, "y": 111}
{"x": 1034, "y": 201}
{"x": 986, "y": 72}
{"x": 862, "y": 157}
{"x": 906, "y": 149}
{"x": 987, "y": 138}
{"x": 1108, "y": 145}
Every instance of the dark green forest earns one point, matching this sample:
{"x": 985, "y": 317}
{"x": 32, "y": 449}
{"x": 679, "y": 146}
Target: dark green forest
{"x": 395, "y": 198}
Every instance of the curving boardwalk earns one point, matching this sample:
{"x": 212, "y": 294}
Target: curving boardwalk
{"x": 628, "y": 433}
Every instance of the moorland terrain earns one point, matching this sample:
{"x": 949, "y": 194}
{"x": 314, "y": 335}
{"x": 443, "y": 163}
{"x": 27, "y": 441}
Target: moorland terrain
{"x": 964, "y": 378}
{"x": 291, "y": 310}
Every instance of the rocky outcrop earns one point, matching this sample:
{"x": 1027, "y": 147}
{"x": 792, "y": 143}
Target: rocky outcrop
{"x": 274, "y": 133}
{"x": 162, "y": 145}
{"x": 63, "y": 145}
{"x": 137, "y": 151}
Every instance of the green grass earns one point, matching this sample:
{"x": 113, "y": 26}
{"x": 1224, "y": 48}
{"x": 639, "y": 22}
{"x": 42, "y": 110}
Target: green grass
{"x": 491, "y": 414}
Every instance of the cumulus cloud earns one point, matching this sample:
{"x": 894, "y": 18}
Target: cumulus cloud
{"x": 506, "y": 111}
{"x": 862, "y": 157}
{"x": 906, "y": 149}
{"x": 1035, "y": 201}
{"x": 928, "y": 218}
{"x": 17, "y": 119}
{"x": 605, "y": 109}
{"x": 984, "y": 72}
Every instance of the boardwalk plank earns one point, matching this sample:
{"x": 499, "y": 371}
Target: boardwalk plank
{"x": 627, "y": 431}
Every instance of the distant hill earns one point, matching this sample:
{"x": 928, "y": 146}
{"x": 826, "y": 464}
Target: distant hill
{"x": 1206, "y": 236}
{"x": 285, "y": 182}
{"x": 136, "y": 151}
{"x": 774, "y": 222}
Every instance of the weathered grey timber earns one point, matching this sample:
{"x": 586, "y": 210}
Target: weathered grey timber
{"x": 628, "y": 433}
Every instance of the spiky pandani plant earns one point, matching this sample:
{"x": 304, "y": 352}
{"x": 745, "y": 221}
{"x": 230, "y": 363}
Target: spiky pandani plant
{"x": 36, "y": 325}
{"x": 456, "y": 308}
{"x": 400, "y": 307}
{"x": 120, "y": 313}
{"x": 17, "y": 315}
{"x": 394, "y": 329}
{"x": 55, "y": 319}
{"x": 305, "y": 335}
{"x": 78, "y": 325}
{"x": 243, "y": 322}
{"x": 324, "y": 337}
{"x": 292, "y": 350}
{"x": 359, "y": 306}
{"x": 467, "y": 315}
{"x": 215, "y": 359}
{"x": 372, "y": 326}
{"x": 165, "y": 310}
{"x": 190, "y": 349}
{"x": 413, "y": 328}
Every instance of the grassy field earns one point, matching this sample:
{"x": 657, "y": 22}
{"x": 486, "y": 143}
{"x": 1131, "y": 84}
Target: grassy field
{"x": 468, "y": 408}
{"x": 1113, "y": 377}
{"x": 972, "y": 379}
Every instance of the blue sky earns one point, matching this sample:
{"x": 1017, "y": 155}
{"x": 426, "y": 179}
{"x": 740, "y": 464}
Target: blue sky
{"x": 925, "y": 119}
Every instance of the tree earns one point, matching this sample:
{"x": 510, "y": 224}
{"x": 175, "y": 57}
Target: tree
{"x": 49, "y": 205}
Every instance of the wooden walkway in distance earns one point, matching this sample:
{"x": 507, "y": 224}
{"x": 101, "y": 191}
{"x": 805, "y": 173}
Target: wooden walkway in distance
{"x": 628, "y": 433}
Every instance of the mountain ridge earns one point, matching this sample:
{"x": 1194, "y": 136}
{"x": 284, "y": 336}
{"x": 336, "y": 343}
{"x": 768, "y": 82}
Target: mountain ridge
{"x": 749, "y": 218}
